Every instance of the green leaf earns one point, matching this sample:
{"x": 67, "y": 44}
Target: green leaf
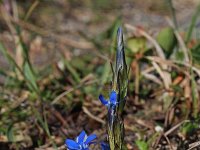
{"x": 72, "y": 70}
{"x": 9, "y": 58}
{"x": 28, "y": 73}
{"x": 189, "y": 127}
{"x": 196, "y": 53}
{"x": 136, "y": 44}
{"x": 179, "y": 55}
{"x": 10, "y": 134}
{"x": 142, "y": 145}
{"x": 167, "y": 40}
{"x": 195, "y": 96}
{"x": 192, "y": 25}
{"x": 3, "y": 73}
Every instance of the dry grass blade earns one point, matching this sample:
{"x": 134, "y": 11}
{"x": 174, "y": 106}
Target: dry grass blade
{"x": 146, "y": 73}
{"x": 45, "y": 147}
{"x": 181, "y": 41}
{"x": 46, "y": 33}
{"x": 169, "y": 143}
{"x": 146, "y": 35}
{"x": 19, "y": 49}
{"x": 54, "y": 64}
{"x": 167, "y": 76}
{"x": 32, "y": 7}
{"x": 152, "y": 78}
{"x": 16, "y": 103}
{"x": 183, "y": 46}
{"x": 173, "y": 64}
{"x": 175, "y": 127}
{"x": 162, "y": 75}
{"x": 85, "y": 110}
{"x": 58, "y": 98}
{"x": 194, "y": 145}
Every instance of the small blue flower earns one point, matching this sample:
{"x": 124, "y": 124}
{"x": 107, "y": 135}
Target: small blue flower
{"x": 105, "y": 146}
{"x": 82, "y": 142}
{"x": 109, "y": 103}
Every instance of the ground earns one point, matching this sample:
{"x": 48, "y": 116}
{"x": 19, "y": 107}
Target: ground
{"x": 60, "y": 63}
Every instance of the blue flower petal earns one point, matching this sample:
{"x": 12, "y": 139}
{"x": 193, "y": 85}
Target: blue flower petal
{"x": 71, "y": 144}
{"x": 113, "y": 97}
{"x": 81, "y": 137}
{"x": 105, "y": 146}
{"x": 103, "y": 100}
{"x": 90, "y": 139}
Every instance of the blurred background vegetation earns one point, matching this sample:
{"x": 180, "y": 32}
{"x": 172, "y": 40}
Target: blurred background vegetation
{"x": 55, "y": 60}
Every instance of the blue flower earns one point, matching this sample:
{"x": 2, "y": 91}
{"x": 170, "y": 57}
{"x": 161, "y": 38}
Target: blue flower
{"x": 105, "y": 146}
{"x": 82, "y": 142}
{"x": 109, "y": 103}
